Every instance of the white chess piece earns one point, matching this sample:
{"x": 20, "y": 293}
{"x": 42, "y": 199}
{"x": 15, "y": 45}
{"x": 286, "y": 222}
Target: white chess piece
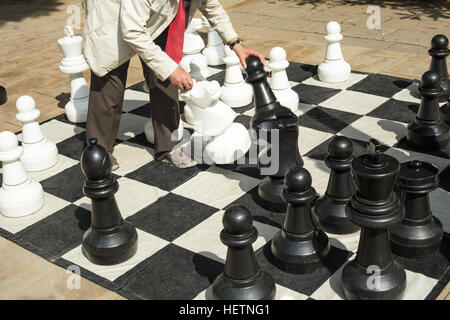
{"x": 334, "y": 68}
{"x": 279, "y": 82}
{"x": 19, "y": 195}
{"x": 199, "y": 72}
{"x": 214, "y": 49}
{"x": 236, "y": 92}
{"x": 38, "y": 153}
{"x": 74, "y": 64}
{"x": 150, "y": 132}
{"x": 219, "y": 139}
{"x": 193, "y": 43}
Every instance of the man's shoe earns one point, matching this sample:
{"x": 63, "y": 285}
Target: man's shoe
{"x": 115, "y": 164}
{"x": 179, "y": 159}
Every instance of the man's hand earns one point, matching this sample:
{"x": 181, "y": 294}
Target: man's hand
{"x": 243, "y": 52}
{"x": 181, "y": 79}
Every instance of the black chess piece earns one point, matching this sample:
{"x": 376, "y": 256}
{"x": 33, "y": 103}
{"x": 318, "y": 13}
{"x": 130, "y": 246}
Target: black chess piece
{"x": 272, "y": 118}
{"x": 3, "y": 95}
{"x": 439, "y": 52}
{"x": 300, "y": 247}
{"x": 242, "y": 279}
{"x": 428, "y": 131}
{"x": 110, "y": 239}
{"x": 419, "y": 233}
{"x": 374, "y": 274}
{"x": 329, "y": 210}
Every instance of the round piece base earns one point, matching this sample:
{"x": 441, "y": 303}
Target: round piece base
{"x": 77, "y": 110}
{"x": 110, "y": 248}
{"x": 287, "y": 98}
{"x": 334, "y": 71}
{"x": 22, "y": 200}
{"x": 269, "y": 191}
{"x": 39, "y": 156}
{"x": 427, "y": 137}
{"x": 300, "y": 256}
{"x": 416, "y": 241}
{"x": 359, "y": 284}
{"x": 262, "y": 287}
{"x": 330, "y": 216}
{"x": 237, "y": 95}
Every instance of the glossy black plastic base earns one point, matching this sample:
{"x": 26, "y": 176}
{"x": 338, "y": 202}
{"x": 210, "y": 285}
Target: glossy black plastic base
{"x": 300, "y": 254}
{"x": 3, "y": 95}
{"x": 427, "y": 136}
{"x": 330, "y": 215}
{"x": 113, "y": 247}
{"x": 359, "y": 283}
{"x": 269, "y": 191}
{"x": 416, "y": 240}
{"x": 261, "y": 287}
{"x": 445, "y": 94}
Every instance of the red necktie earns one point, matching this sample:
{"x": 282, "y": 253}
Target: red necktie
{"x": 175, "y": 37}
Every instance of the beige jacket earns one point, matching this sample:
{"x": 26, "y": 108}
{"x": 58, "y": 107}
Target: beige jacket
{"x": 116, "y": 30}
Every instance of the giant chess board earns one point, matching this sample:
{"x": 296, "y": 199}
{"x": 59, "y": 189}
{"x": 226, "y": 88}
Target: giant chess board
{"x": 178, "y": 212}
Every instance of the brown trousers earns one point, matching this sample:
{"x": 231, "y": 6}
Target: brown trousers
{"x": 106, "y": 101}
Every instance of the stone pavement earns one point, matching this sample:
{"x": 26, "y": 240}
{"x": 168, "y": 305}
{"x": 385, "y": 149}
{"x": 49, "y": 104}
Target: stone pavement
{"x": 30, "y": 55}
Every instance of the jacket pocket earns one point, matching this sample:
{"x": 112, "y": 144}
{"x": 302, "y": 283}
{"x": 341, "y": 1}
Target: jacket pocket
{"x": 161, "y": 7}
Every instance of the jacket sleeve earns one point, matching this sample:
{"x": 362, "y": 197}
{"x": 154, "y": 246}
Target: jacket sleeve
{"x": 133, "y": 18}
{"x": 218, "y": 18}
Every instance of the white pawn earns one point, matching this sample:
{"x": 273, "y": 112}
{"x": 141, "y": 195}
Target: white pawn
{"x": 74, "y": 64}
{"x": 150, "y": 132}
{"x": 334, "y": 68}
{"x": 19, "y": 195}
{"x": 279, "y": 82}
{"x": 214, "y": 49}
{"x": 38, "y": 153}
{"x": 199, "y": 72}
{"x": 236, "y": 92}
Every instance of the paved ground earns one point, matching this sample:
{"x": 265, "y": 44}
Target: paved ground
{"x": 29, "y": 30}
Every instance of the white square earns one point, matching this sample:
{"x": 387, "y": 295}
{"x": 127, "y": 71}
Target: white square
{"x": 347, "y": 242}
{"x": 131, "y": 156}
{"x": 309, "y": 138}
{"x": 320, "y": 173}
{"x": 131, "y": 197}
{"x": 131, "y": 125}
{"x": 62, "y": 164}
{"x": 216, "y": 187}
{"x": 51, "y": 205}
{"x": 387, "y": 132}
{"x": 303, "y": 108}
{"x": 354, "y": 78}
{"x": 409, "y": 94}
{"x": 57, "y": 131}
{"x": 353, "y": 101}
{"x": 134, "y": 99}
{"x": 147, "y": 245}
{"x": 205, "y": 237}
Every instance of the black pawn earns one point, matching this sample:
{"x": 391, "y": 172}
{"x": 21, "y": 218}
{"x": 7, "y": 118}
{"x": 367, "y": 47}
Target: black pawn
{"x": 419, "y": 233}
{"x": 330, "y": 208}
{"x": 109, "y": 240}
{"x": 3, "y": 95}
{"x": 374, "y": 274}
{"x": 242, "y": 279}
{"x": 439, "y": 52}
{"x": 300, "y": 247}
{"x": 428, "y": 131}
{"x": 284, "y": 154}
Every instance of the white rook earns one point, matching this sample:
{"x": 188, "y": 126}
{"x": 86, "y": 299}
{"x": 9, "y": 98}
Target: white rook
{"x": 19, "y": 195}
{"x": 334, "y": 68}
{"x": 39, "y": 153}
{"x": 74, "y": 64}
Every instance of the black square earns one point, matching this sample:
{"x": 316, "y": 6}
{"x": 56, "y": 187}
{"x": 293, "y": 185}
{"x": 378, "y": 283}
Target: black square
{"x": 137, "y": 86}
{"x": 63, "y": 118}
{"x": 173, "y": 273}
{"x": 67, "y": 184}
{"x": 396, "y": 110}
{"x": 298, "y": 72}
{"x": 171, "y": 216}
{"x": 73, "y": 147}
{"x": 381, "y": 85}
{"x": 142, "y": 110}
{"x": 314, "y": 94}
{"x": 140, "y": 139}
{"x": 320, "y": 152}
{"x": 327, "y": 120}
{"x": 303, "y": 283}
{"x": 244, "y": 108}
{"x": 56, "y": 234}
{"x": 443, "y": 153}
{"x": 219, "y": 77}
{"x": 243, "y": 119}
{"x": 164, "y": 175}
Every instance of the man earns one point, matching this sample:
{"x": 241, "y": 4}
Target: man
{"x": 115, "y": 31}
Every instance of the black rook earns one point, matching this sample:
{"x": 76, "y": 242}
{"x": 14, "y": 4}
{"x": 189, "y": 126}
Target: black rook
{"x": 374, "y": 274}
{"x": 110, "y": 239}
{"x": 271, "y": 117}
